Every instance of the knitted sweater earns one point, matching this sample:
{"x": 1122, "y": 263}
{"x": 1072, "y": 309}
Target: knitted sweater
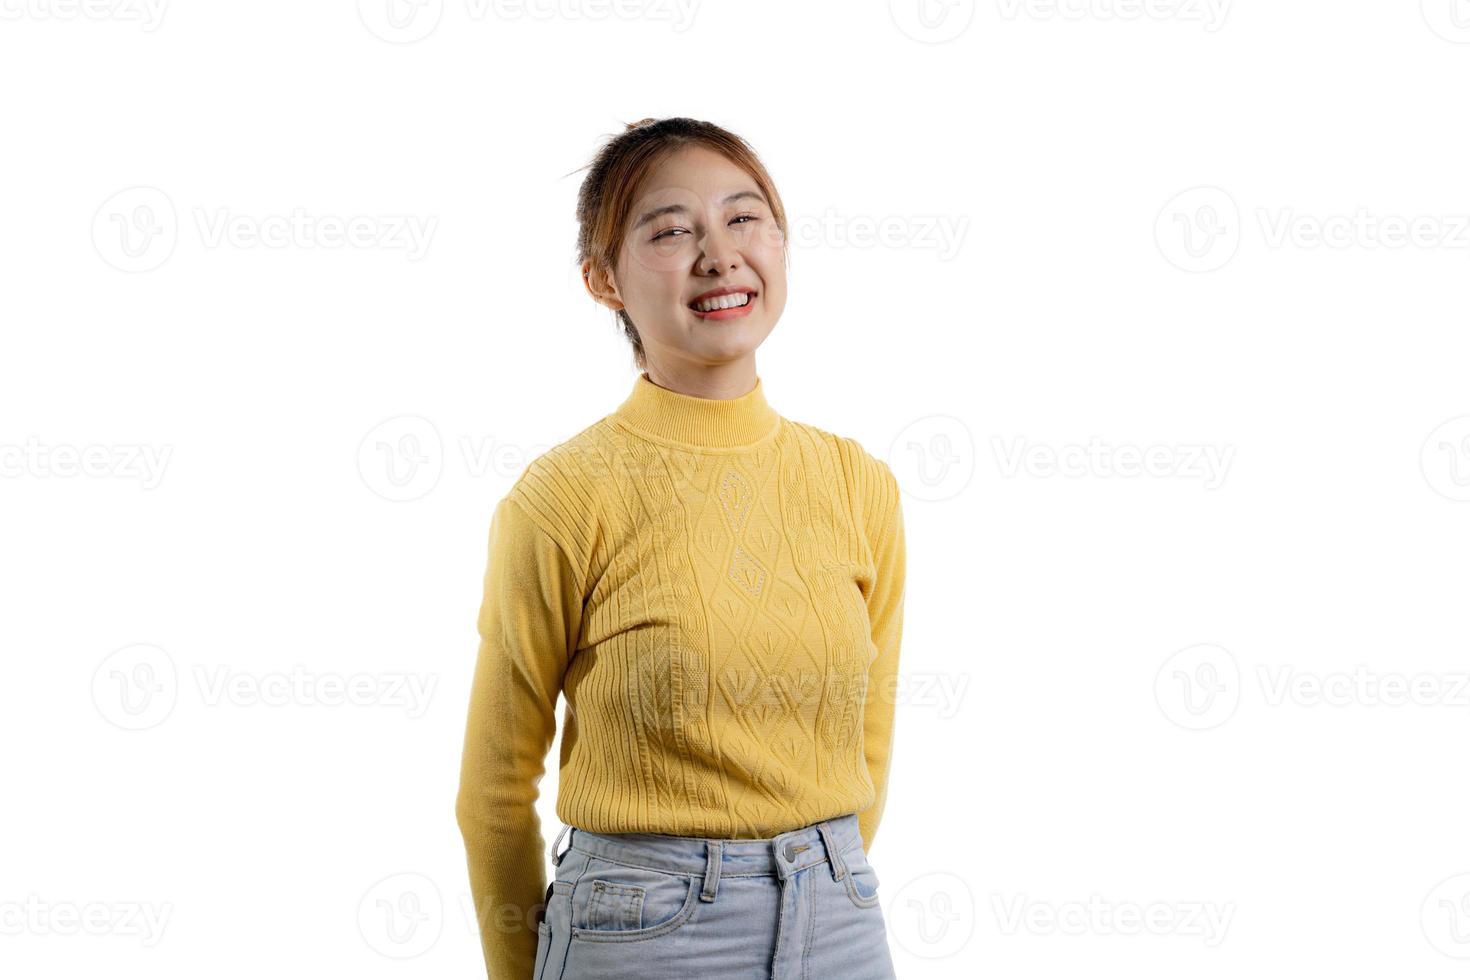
{"x": 718, "y": 593}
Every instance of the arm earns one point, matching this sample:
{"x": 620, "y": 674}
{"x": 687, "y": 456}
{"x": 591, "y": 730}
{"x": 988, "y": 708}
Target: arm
{"x": 885, "y": 616}
{"x": 528, "y": 624}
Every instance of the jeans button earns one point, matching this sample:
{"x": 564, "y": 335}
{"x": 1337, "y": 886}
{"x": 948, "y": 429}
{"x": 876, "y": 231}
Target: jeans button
{"x": 791, "y": 850}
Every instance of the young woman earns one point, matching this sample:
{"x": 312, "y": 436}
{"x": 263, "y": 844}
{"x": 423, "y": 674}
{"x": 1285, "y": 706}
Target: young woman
{"x": 718, "y": 592}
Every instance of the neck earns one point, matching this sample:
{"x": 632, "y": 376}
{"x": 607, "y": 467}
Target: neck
{"x": 741, "y": 419}
{"x": 729, "y": 379}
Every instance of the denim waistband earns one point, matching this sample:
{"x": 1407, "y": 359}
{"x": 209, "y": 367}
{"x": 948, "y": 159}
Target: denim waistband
{"x": 782, "y": 855}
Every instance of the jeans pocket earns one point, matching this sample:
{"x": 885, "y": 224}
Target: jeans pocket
{"x": 861, "y": 879}
{"x": 543, "y": 943}
{"x": 622, "y": 903}
{"x": 554, "y": 933}
{"x": 615, "y": 906}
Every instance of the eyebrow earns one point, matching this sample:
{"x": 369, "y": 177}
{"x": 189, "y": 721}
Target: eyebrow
{"x": 681, "y": 209}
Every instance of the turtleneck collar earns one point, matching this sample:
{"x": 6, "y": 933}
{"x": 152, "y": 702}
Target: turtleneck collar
{"x": 706, "y": 423}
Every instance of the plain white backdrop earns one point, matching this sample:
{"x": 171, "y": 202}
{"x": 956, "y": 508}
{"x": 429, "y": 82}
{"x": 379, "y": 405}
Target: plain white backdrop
{"x": 1156, "y": 308}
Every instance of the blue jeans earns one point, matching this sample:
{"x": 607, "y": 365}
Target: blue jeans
{"x": 802, "y": 905}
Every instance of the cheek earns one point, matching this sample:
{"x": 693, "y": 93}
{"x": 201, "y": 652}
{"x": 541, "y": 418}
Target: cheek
{"x": 647, "y": 288}
{"x": 775, "y": 303}
{"x": 768, "y": 258}
{"x": 668, "y": 256}
{"x": 773, "y": 276}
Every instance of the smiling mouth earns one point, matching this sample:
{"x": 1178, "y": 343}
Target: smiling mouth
{"x": 726, "y": 302}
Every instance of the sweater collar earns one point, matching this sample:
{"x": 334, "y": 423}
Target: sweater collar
{"x": 716, "y": 423}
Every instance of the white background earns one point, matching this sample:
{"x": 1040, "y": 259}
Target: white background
{"x": 1230, "y": 231}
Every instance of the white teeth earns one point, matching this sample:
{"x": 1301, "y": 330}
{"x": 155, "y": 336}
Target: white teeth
{"x": 722, "y": 302}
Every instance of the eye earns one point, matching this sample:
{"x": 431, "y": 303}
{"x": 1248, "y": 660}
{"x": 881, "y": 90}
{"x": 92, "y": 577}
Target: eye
{"x": 675, "y": 232}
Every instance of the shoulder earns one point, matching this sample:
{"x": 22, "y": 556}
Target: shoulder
{"x": 869, "y": 479}
{"x": 559, "y": 489}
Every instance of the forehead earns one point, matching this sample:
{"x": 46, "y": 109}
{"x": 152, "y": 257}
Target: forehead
{"x": 695, "y": 174}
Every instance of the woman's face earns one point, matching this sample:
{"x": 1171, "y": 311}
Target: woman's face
{"x": 700, "y": 224}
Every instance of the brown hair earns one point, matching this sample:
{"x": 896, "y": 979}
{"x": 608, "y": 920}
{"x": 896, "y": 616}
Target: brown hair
{"x": 615, "y": 173}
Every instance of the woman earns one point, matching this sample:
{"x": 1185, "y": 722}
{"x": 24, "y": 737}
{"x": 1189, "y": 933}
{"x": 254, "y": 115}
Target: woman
{"x": 718, "y": 592}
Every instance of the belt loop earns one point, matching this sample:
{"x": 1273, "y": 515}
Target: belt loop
{"x": 711, "y": 871}
{"x": 555, "y": 857}
{"x": 839, "y": 866}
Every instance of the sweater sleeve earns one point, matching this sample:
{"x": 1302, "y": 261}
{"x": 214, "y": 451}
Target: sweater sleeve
{"x": 885, "y": 616}
{"x": 528, "y": 625}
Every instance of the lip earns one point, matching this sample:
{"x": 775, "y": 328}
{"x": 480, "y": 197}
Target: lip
{"x": 730, "y": 314}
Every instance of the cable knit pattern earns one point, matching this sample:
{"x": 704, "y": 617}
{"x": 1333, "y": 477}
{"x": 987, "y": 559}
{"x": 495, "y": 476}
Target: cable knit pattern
{"x": 718, "y": 593}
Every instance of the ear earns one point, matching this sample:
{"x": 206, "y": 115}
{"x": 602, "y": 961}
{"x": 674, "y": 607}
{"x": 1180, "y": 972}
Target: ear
{"x": 600, "y": 285}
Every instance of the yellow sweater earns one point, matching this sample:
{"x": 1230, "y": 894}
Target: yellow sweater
{"x": 718, "y": 593}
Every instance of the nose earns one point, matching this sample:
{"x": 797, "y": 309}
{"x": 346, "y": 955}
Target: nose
{"x": 719, "y": 250}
